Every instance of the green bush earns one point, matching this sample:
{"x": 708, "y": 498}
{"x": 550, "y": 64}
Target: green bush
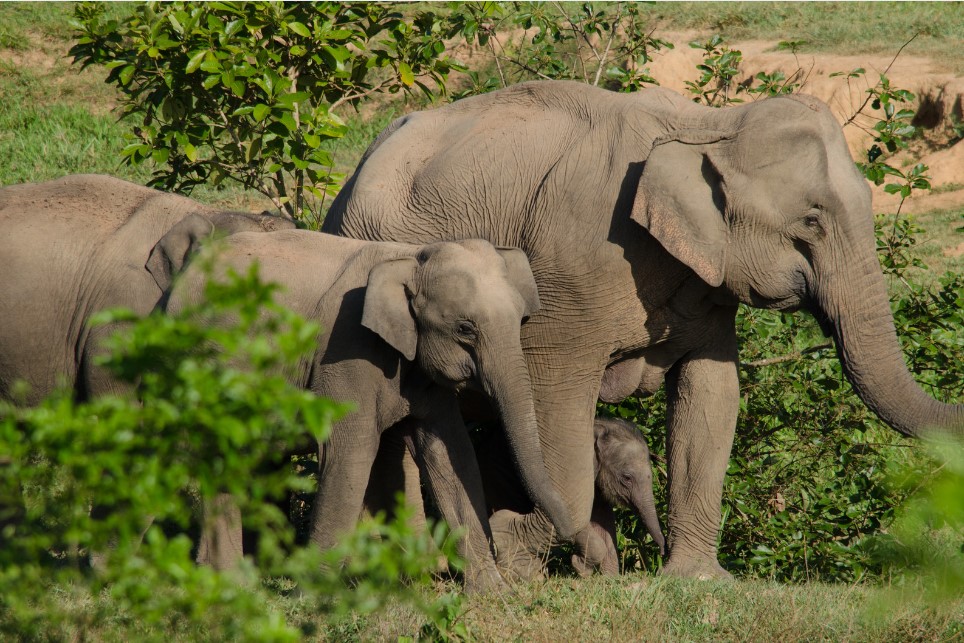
{"x": 209, "y": 411}
{"x": 248, "y": 90}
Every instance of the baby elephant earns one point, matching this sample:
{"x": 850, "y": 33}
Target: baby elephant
{"x": 404, "y": 328}
{"x": 623, "y": 479}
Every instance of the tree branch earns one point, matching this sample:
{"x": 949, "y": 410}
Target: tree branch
{"x": 770, "y": 361}
{"x": 887, "y": 69}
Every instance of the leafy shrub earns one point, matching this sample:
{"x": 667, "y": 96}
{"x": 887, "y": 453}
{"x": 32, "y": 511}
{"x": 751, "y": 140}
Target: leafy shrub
{"x": 208, "y": 412}
{"x": 248, "y": 90}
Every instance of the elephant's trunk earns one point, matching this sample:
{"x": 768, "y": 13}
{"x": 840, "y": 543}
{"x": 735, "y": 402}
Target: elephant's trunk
{"x": 645, "y": 505}
{"x": 507, "y": 384}
{"x": 857, "y": 306}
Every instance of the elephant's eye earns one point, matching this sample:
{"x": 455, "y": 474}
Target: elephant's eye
{"x": 466, "y": 330}
{"x": 812, "y": 220}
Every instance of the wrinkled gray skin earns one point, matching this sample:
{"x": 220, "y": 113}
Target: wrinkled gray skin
{"x": 623, "y": 478}
{"x": 647, "y": 219}
{"x": 72, "y": 247}
{"x": 405, "y": 327}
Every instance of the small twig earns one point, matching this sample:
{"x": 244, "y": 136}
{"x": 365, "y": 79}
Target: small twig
{"x": 609, "y": 44}
{"x": 350, "y": 97}
{"x": 498, "y": 65}
{"x": 526, "y": 67}
{"x": 770, "y": 361}
{"x": 887, "y": 69}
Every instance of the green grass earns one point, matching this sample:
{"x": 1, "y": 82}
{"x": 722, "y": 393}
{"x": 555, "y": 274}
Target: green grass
{"x": 627, "y": 608}
{"x": 841, "y": 28}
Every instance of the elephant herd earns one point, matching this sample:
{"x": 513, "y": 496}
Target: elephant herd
{"x": 515, "y": 256}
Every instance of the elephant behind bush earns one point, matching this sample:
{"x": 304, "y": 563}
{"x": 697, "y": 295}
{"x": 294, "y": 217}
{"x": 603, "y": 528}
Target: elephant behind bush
{"x": 77, "y": 245}
{"x": 404, "y": 328}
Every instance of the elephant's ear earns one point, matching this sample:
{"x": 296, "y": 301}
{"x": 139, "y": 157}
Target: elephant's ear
{"x": 680, "y": 201}
{"x": 520, "y": 276}
{"x": 169, "y": 255}
{"x": 386, "y": 310}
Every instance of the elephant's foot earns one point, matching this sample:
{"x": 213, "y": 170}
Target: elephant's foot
{"x": 519, "y": 558}
{"x": 486, "y": 581}
{"x": 597, "y": 552}
{"x": 702, "y": 568}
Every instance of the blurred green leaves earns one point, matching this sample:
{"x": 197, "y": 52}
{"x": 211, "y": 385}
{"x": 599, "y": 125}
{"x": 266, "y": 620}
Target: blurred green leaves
{"x": 205, "y": 406}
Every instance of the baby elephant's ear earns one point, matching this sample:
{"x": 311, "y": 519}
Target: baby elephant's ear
{"x": 387, "y": 311}
{"x": 520, "y": 276}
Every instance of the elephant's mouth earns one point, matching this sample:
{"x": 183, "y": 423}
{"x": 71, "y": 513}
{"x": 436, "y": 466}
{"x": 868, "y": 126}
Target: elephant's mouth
{"x": 788, "y": 304}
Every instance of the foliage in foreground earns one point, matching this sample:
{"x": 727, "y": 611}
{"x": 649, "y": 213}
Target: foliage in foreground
{"x": 210, "y": 411}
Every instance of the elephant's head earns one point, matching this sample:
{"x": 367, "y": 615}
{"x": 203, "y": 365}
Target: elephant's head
{"x": 624, "y": 477}
{"x": 764, "y": 202}
{"x": 455, "y": 309}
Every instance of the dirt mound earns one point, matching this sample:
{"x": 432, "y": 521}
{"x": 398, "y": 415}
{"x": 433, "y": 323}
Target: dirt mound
{"x": 939, "y": 104}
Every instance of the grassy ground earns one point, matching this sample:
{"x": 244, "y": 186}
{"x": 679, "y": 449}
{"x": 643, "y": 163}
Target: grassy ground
{"x": 629, "y": 608}
{"x": 641, "y": 608}
{"x": 839, "y": 27}
{"x": 55, "y": 120}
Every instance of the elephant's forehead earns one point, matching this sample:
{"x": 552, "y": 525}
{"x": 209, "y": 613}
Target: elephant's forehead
{"x": 461, "y": 292}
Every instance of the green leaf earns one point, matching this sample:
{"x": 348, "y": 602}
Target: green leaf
{"x": 261, "y": 112}
{"x": 126, "y": 74}
{"x": 195, "y": 61}
{"x": 288, "y": 121}
{"x": 405, "y": 74}
{"x": 299, "y": 29}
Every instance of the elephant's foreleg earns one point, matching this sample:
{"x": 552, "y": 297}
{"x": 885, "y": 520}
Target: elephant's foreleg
{"x": 344, "y": 468}
{"x": 220, "y": 544}
{"x": 447, "y": 458}
{"x": 395, "y": 471}
{"x": 702, "y": 393}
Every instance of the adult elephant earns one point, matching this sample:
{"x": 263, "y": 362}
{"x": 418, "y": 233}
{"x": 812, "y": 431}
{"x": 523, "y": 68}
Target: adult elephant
{"x": 78, "y": 245}
{"x": 72, "y": 247}
{"x": 647, "y": 219}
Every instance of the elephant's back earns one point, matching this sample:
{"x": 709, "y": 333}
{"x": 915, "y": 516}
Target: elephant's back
{"x": 88, "y": 201}
{"x": 440, "y": 174}
{"x": 309, "y": 266}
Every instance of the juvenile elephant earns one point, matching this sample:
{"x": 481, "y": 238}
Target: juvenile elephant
{"x": 404, "y": 328}
{"x": 81, "y": 244}
{"x": 647, "y": 220}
